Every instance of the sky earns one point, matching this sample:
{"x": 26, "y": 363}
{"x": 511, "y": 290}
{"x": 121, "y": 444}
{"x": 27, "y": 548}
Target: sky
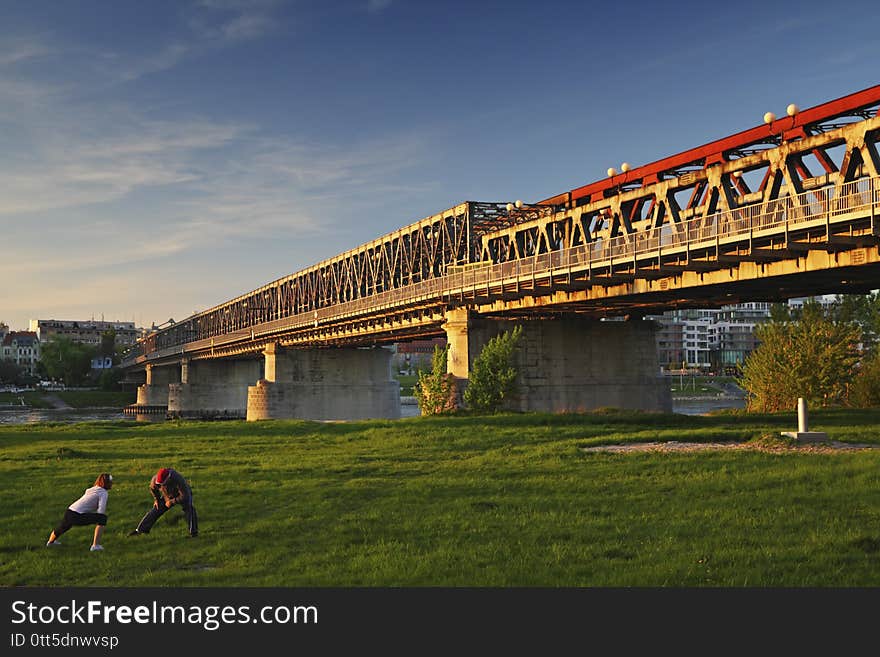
{"x": 160, "y": 158}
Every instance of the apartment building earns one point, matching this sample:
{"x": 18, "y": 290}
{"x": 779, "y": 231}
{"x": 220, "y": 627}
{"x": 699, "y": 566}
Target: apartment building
{"x": 709, "y": 339}
{"x": 22, "y": 348}
{"x": 84, "y": 331}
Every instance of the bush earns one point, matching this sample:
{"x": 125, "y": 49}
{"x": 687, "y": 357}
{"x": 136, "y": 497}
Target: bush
{"x": 493, "y": 377}
{"x": 435, "y": 390}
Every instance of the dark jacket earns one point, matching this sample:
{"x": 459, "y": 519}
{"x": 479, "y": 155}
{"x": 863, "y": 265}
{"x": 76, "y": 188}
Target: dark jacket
{"x": 174, "y": 490}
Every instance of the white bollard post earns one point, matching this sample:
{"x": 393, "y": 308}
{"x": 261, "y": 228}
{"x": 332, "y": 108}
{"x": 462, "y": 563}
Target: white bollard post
{"x": 803, "y": 434}
{"x": 802, "y": 415}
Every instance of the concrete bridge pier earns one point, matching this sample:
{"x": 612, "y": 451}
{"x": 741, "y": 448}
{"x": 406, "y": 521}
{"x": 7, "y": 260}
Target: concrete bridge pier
{"x": 568, "y": 364}
{"x": 212, "y": 389}
{"x": 325, "y": 384}
{"x": 154, "y": 393}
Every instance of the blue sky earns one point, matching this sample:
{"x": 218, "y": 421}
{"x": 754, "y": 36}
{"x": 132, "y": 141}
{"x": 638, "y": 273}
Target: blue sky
{"x": 159, "y": 158}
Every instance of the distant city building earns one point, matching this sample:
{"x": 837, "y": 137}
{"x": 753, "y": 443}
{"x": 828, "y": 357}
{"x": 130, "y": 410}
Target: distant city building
{"x": 826, "y": 301}
{"x": 84, "y": 331}
{"x": 420, "y": 346}
{"x": 4, "y": 329}
{"x": 102, "y": 362}
{"x": 409, "y": 357}
{"x": 735, "y": 342}
{"x": 22, "y": 348}
{"x": 709, "y": 339}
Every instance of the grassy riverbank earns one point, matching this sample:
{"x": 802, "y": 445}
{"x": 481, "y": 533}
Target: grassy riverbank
{"x": 460, "y": 501}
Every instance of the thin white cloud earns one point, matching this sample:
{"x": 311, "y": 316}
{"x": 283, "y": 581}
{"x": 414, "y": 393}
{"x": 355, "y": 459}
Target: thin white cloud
{"x": 221, "y": 22}
{"x": 238, "y": 5}
{"x": 18, "y": 94}
{"x": 374, "y": 6}
{"x": 19, "y": 50}
{"x": 246, "y": 27}
{"x": 213, "y": 25}
{"x": 70, "y": 164}
{"x": 167, "y": 58}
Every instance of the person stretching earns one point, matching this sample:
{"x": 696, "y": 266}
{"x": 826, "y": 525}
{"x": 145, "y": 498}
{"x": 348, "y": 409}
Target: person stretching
{"x": 168, "y": 487}
{"x": 90, "y": 509}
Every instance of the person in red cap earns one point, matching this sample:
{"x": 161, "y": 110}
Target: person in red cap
{"x": 168, "y": 488}
{"x": 90, "y": 509}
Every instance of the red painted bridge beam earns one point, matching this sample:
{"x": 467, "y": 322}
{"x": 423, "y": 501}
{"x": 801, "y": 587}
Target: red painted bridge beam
{"x": 789, "y": 127}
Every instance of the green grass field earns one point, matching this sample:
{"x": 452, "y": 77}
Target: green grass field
{"x": 96, "y": 398}
{"x": 30, "y": 398}
{"x": 511, "y": 500}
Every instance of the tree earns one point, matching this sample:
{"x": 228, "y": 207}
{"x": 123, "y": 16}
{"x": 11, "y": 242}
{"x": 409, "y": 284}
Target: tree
{"x": 63, "y": 359}
{"x": 863, "y": 309}
{"x": 866, "y": 385}
{"x": 779, "y": 312}
{"x": 109, "y": 379}
{"x": 10, "y": 372}
{"x": 813, "y": 357}
{"x": 493, "y": 381}
{"x": 435, "y": 390}
{"x": 108, "y": 344}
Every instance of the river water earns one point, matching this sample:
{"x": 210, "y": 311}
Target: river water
{"x": 22, "y": 415}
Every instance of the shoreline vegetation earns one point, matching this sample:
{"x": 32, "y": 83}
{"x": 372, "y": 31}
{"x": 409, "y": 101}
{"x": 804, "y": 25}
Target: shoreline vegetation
{"x": 501, "y": 500}
{"x": 78, "y": 399}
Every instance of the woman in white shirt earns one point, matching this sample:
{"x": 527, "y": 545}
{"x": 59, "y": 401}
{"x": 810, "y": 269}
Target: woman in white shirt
{"x": 90, "y": 509}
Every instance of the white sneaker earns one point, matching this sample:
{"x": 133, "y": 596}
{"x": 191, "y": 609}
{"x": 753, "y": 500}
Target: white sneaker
{"x": 52, "y": 543}
{"x": 96, "y": 547}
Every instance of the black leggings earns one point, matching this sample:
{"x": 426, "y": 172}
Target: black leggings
{"x": 151, "y": 516}
{"x": 72, "y": 518}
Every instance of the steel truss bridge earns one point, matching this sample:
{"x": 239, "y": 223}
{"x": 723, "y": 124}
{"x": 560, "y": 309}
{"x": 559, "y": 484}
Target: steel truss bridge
{"x": 789, "y": 208}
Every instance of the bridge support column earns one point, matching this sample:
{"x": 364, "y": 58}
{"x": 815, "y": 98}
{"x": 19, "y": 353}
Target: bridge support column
{"x": 571, "y": 364}
{"x": 325, "y": 384}
{"x": 212, "y": 389}
{"x": 153, "y": 394}
{"x": 459, "y": 339}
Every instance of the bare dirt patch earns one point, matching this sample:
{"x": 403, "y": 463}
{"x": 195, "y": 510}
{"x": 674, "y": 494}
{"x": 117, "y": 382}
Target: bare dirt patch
{"x": 831, "y": 446}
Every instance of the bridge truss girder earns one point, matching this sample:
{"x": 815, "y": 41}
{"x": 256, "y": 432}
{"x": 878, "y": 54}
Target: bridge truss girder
{"x": 819, "y": 150}
{"x": 366, "y": 295}
{"x": 422, "y": 251}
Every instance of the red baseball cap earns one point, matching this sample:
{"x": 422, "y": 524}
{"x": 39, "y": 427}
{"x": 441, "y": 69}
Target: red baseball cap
{"x": 162, "y": 475}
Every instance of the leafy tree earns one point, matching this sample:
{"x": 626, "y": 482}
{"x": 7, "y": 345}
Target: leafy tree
{"x": 866, "y": 386}
{"x": 779, "y": 312}
{"x": 108, "y": 344}
{"x": 10, "y": 372}
{"x": 863, "y": 309}
{"x": 63, "y": 359}
{"x": 435, "y": 390}
{"x": 493, "y": 376}
{"x": 109, "y": 379}
{"x": 812, "y": 357}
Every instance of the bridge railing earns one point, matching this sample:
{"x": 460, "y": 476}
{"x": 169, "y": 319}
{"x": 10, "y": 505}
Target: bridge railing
{"x": 856, "y": 197}
{"x": 791, "y": 212}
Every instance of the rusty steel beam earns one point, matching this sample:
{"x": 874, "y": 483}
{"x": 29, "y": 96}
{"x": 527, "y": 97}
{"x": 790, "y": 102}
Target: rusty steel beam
{"x": 790, "y": 128}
